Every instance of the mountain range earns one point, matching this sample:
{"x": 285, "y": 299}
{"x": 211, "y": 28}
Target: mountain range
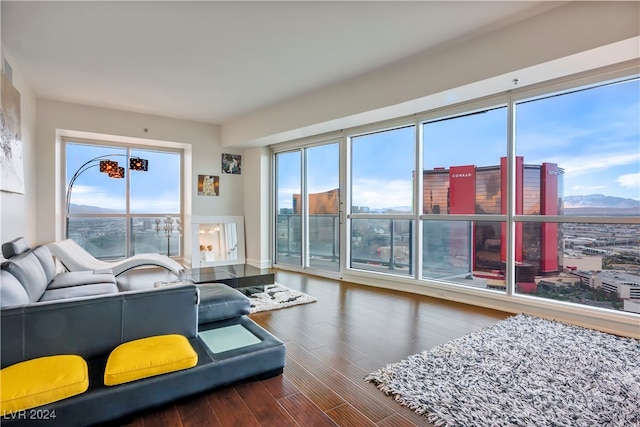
{"x": 600, "y": 201}
{"x": 599, "y": 204}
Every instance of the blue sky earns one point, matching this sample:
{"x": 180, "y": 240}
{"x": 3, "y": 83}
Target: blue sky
{"x": 594, "y": 135}
{"x": 154, "y": 191}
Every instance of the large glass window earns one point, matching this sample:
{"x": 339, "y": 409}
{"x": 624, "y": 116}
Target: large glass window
{"x": 323, "y": 205}
{"x": 308, "y": 206}
{"x": 581, "y": 158}
{"x": 465, "y": 173}
{"x": 119, "y": 199}
{"x": 288, "y": 208}
{"x": 382, "y": 245}
{"x": 382, "y": 165}
{"x": 463, "y": 163}
{"x": 382, "y": 201}
{"x": 527, "y": 193}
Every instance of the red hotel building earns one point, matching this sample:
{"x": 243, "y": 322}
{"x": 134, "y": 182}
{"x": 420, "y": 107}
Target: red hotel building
{"x": 482, "y": 190}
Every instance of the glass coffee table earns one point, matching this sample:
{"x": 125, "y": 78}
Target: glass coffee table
{"x": 243, "y": 277}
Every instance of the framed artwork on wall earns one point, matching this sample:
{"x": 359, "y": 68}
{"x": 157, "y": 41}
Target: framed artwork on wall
{"x": 231, "y": 163}
{"x": 11, "y": 164}
{"x": 208, "y": 185}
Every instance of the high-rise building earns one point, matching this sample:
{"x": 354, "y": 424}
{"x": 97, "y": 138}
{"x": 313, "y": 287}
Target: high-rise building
{"x": 469, "y": 189}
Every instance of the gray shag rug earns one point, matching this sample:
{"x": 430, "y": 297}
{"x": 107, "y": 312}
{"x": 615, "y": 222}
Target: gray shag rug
{"x": 278, "y": 296}
{"x": 523, "y": 371}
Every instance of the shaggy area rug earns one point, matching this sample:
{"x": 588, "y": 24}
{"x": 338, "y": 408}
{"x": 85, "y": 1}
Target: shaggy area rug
{"x": 277, "y": 296}
{"x": 523, "y": 371}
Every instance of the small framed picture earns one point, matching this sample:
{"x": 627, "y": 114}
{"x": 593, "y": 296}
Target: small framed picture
{"x": 231, "y": 163}
{"x": 208, "y": 185}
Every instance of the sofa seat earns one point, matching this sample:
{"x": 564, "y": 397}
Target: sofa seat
{"x": 219, "y": 302}
{"x": 77, "y": 278}
{"x": 79, "y": 291}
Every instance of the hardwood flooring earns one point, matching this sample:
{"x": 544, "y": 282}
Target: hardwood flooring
{"x": 331, "y": 345}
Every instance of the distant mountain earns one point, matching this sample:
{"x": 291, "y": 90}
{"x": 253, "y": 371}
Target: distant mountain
{"x": 85, "y": 209}
{"x": 600, "y": 201}
{"x": 599, "y": 204}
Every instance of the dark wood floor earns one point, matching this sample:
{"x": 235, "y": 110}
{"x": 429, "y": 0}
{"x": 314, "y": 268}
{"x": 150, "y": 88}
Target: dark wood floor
{"x": 331, "y": 345}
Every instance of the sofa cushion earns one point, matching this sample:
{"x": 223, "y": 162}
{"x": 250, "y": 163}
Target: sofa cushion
{"x": 79, "y": 291}
{"x": 77, "y": 278}
{"x": 219, "y": 301}
{"x": 29, "y": 272}
{"x": 11, "y": 291}
{"x": 147, "y": 357}
{"x": 37, "y": 382}
{"x": 46, "y": 260}
{"x": 15, "y": 247}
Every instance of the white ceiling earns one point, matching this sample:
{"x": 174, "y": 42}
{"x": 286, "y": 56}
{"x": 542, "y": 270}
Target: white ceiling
{"x": 213, "y": 61}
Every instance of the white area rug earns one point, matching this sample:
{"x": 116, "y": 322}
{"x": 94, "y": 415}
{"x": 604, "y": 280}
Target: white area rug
{"x": 523, "y": 371}
{"x": 277, "y": 296}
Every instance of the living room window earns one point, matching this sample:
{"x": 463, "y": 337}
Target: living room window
{"x": 578, "y": 222}
{"x": 532, "y": 194}
{"x": 307, "y": 207}
{"x": 382, "y": 193}
{"x": 115, "y": 211}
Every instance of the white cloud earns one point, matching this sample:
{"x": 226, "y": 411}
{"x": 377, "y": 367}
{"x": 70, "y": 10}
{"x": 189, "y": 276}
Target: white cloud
{"x": 630, "y": 180}
{"x": 379, "y": 193}
{"x": 579, "y": 165}
{"x": 95, "y": 196}
{"x": 588, "y": 188}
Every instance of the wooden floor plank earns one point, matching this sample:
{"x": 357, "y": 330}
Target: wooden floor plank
{"x": 347, "y": 416}
{"x": 264, "y": 406}
{"x": 396, "y": 420}
{"x": 197, "y": 412}
{"x": 279, "y": 386}
{"x": 353, "y": 392}
{"x": 314, "y": 388}
{"x": 305, "y": 412}
{"x": 231, "y": 409}
{"x": 166, "y": 416}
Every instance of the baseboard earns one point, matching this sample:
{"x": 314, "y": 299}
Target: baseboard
{"x": 265, "y": 263}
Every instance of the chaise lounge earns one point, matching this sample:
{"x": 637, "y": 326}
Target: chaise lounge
{"x": 75, "y": 258}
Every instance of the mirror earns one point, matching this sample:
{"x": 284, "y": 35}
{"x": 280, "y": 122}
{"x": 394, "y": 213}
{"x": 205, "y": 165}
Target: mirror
{"x": 217, "y": 240}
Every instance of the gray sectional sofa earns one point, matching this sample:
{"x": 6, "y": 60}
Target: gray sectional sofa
{"x": 46, "y": 318}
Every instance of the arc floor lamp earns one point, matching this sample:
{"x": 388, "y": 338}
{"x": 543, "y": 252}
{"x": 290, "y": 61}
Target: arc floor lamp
{"x": 107, "y": 166}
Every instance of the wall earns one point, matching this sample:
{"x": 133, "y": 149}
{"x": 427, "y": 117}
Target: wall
{"x": 200, "y": 141}
{"x": 18, "y": 211}
{"x": 256, "y": 202}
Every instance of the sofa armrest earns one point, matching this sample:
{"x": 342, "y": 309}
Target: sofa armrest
{"x": 93, "y": 326}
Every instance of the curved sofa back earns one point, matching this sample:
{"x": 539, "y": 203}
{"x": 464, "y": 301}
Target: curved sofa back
{"x": 92, "y": 327}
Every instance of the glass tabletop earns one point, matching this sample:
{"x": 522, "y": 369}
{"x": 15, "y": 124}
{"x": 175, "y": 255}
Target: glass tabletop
{"x": 228, "y": 338}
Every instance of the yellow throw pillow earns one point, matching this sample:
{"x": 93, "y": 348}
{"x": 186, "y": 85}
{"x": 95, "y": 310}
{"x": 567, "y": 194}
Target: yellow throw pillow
{"x": 147, "y": 357}
{"x": 37, "y": 382}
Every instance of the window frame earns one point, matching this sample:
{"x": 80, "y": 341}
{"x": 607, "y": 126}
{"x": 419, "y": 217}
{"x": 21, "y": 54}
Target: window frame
{"x": 128, "y": 216}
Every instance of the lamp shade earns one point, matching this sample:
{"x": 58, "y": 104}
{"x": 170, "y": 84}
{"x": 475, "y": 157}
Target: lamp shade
{"x": 117, "y": 173}
{"x": 108, "y": 166}
{"x": 138, "y": 164}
